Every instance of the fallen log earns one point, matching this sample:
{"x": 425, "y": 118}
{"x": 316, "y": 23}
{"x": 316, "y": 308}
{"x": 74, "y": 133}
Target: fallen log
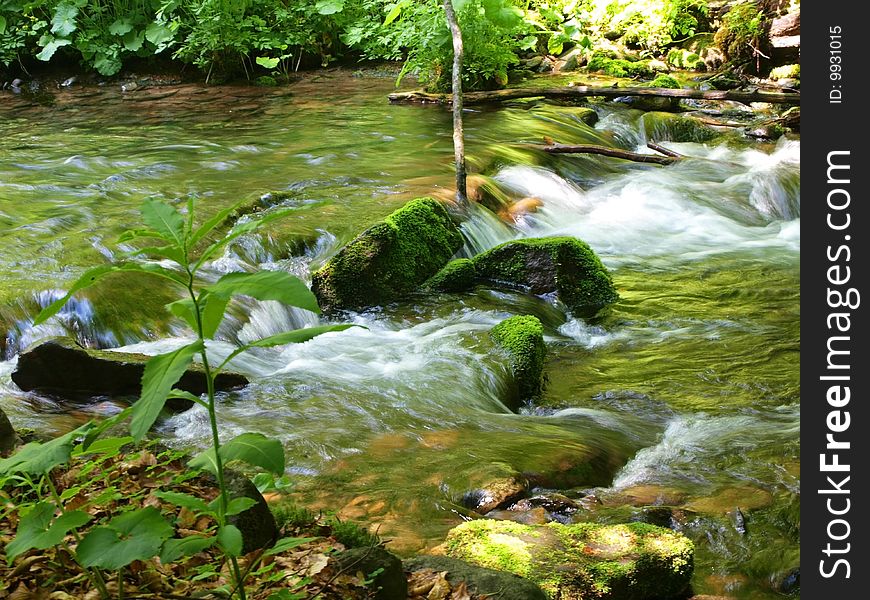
{"x": 581, "y": 91}
{"x": 604, "y": 151}
{"x": 662, "y": 150}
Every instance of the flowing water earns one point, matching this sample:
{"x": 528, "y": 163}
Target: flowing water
{"x": 686, "y": 393}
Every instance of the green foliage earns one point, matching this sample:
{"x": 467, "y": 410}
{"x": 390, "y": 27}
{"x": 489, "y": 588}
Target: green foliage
{"x": 743, "y": 28}
{"x": 351, "y": 534}
{"x": 665, "y": 81}
{"x": 144, "y": 533}
{"x": 618, "y": 67}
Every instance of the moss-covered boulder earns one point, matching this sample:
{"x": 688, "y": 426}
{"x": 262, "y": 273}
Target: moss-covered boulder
{"x": 480, "y": 581}
{"x": 457, "y": 276}
{"x": 60, "y": 367}
{"x": 671, "y": 127}
{"x": 562, "y": 265}
{"x": 522, "y": 338}
{"x": 390, "y": 259}
{"x": 587, "y": 561}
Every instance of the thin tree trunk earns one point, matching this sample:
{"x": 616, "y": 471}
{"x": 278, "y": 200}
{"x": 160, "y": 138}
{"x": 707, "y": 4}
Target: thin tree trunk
{"x": 604, "y": 151}
{"x": 458, "y": 136}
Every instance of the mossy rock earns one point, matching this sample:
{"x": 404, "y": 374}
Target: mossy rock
{"x": 257, "y": 523}
{"x": 634, "y": 561}
{"x": 458, "y": 275}
{"x": 619, "y": 67}
{"x": 665, "y": 81}
{"x": 390, "y": 259}
{"x": 786, "y": 72}
{"x": 668, "y": 127}
{"x": 60, "y": 367}
{"x": 483, "y": 582}
{"x": 522, "y": 338}
{"x": 562, "y": 265}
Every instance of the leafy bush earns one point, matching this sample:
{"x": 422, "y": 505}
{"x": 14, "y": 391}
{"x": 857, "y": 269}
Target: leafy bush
{"x": 743, "y": 31}
{"x": 665, "y": 81}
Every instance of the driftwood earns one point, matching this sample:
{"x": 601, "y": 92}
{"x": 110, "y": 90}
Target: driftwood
{"x": 605, "y": 151}
{"x": 662, "y": 150}
{"x": 580, "y": 91}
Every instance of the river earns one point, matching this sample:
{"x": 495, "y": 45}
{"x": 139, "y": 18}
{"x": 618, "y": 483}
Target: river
{"x": 686, "y": 393}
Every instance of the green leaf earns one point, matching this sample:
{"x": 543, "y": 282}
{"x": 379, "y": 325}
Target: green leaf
{"x": 288, "y": 544}
{"x": 36, "y": 529}
{"x": 230, "y": 539}
{"x": 133, "y": 40}
{"x": 159, "y": 34}
{"x": 38, "y": 459}
{"x": 503, "y": 15}
{"x": 2, "y": 24}
{"x": 172, "y": 252}
{"x": 555, "y": 45}
{"x": 238, "y": 229}
{"x": 205, "y": 461}
{"x": 107, "y": 64}
{"x": 63, "y": 22}
{"x": 266, "y": 285}
{"x": 257, "y": 450}
{"x": 269, "y": 63}
{"x": 106, "y": 446}
{"x": 181, "y": 394}
{"x": 121, "y": 26}
{"x": 329, "y": 7}
{"x": 131, "y": 536}
{"x": 212, "y": 312}
{"x": 164, "y": 219}
{"x": 161, "y": 374}
{"x": 50, "y": 44}
{"x": 175, "y": 548}
{"x": 185, "y": 501}
{"x": 102, "y": 427}
{"x": 142, "y": 232}
{"x": 298, "y": 336}
{"x": 395, "y": 12}
{"x": 239, "y": 505}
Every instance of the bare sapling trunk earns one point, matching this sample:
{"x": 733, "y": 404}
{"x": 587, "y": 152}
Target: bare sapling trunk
{"x": 458, "y": 136}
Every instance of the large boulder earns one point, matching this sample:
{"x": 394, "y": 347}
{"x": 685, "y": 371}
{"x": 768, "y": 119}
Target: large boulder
{"x": 522, "y": 338}
{"x": 671, "y": 127}
{"x": 60, "y": 367}
{"x": 480, "y": 581}
{"x": 562, "y": 265}
{"x": 257, "y": 523}
{"x": 633, "y": 561}
{"x": 390, "y": 259}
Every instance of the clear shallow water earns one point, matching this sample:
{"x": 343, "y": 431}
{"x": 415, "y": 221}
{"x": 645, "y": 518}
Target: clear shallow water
{"x": 687, "y": 391}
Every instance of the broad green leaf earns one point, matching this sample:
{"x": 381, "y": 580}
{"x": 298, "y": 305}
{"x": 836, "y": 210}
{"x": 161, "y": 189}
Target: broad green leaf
{"x": 239, "y": 505}
{"x": 172, "y": 252}
{"x": 502, "y": 14}
{"x": 63, "y": 22}
{"x": 395, "y": 12}
{"x": 161, "y": 374}
{"x": 38, "y": 529}
{"x": 121, "y": 26}
{"x": 2, "y": 24}
{"x": 297, "y": 336}
{"x": 182, "y": 395}
{"x": 212, "y": 312}
{"x": 159, "y": 34}
{"x": 528, "y": 42}
{"x": 206, "y": 228}
{"x": 49, "y": 45}
{"x": 106, "y": 446}
{"x": 230, "y": 539}
{"x": 266, "y": 285}
{"x": 269, "y": 63}
{"x": 141, "y": 232}
{"x": 38, "y": 459}
{"x": 107, "y": 64}
{"x": 185, "y": 501}
{"x": 288, "y": 544}
{"x": 131, "y": 536}
{"x": 555, "y": 45}
{"x": 329, "y": 7}
{"x": 175, "y": 548}
{"x": 257, "y": 450}
{"x": 205, "y": 461}
{"x": 163, "y": 218}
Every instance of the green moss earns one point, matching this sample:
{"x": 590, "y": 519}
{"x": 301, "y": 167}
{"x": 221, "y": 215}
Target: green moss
{"x": 457, "y": 276}
{"x": 390, "y": 259}
{"x": 635, "y": 561}
{"x": 265, "y": 81}
{"x": 563, "y": 265}
{"x": 522, "y": 337}
{"x": 661, "y": 126}
{"x": 619, "y": 67}
{"x": 786, "y": 72}
{"x": 665, "y": 81}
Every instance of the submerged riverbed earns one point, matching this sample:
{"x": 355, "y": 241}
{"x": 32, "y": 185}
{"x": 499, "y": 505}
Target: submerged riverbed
{"x": 685, "y": 394}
